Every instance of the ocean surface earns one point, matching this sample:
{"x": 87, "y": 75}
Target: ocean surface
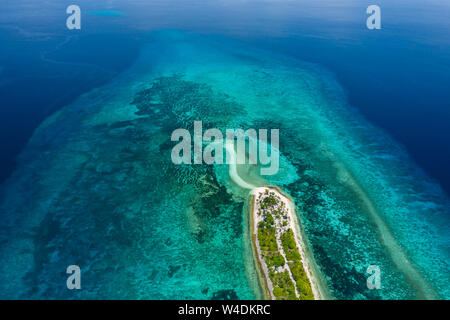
{"x": 86, "y": 119}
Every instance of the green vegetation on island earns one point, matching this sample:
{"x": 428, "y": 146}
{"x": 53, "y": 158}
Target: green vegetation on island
{"x": 283, "y": 288}
{"x": 296, "y": 266}
{"x": 279, "y": 251}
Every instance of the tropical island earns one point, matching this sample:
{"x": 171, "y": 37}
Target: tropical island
{"x": 279, "y": 253}
{"x": 279, "y": 250}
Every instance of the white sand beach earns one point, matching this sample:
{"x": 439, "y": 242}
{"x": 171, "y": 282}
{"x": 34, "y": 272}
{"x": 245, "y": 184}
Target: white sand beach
{"x": 292, "y": 223}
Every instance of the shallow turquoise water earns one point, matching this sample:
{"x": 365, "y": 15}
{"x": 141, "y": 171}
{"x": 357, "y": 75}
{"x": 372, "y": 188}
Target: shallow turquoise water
{"x": 104, "y": 194}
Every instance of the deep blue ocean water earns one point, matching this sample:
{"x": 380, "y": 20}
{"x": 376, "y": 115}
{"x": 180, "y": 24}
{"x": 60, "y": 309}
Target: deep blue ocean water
{"x": 397, "y": 78}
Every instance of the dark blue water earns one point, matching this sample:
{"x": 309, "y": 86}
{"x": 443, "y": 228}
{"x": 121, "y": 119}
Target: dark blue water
{"x": 397, "y": 77}
{"x": 44, "y": 67}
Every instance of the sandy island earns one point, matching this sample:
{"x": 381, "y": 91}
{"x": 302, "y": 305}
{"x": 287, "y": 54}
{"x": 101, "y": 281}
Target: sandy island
{"x": 295, "y": 273}
{"x": 285, "y": 222}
